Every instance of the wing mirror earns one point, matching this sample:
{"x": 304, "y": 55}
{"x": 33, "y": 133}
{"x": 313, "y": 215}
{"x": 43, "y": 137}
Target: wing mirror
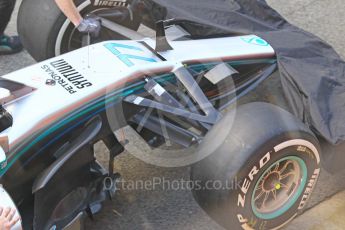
{"x": 3, "y": 150}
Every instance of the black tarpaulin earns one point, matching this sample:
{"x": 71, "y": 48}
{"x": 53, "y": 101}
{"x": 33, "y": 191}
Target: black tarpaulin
{"x": 312, "y": 73}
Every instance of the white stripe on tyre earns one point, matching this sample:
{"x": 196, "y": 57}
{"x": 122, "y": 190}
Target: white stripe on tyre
{"x": 297, "y": 142}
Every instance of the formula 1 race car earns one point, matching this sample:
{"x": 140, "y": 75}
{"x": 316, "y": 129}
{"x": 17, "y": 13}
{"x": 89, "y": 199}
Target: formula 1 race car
{"x": 215, "y": 104}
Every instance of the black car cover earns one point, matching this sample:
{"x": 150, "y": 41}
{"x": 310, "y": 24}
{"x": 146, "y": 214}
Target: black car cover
{"x": 312, "y": 73}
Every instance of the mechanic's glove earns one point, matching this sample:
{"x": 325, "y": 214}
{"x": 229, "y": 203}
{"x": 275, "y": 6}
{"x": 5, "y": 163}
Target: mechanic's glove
{"x": 90, "y": 25}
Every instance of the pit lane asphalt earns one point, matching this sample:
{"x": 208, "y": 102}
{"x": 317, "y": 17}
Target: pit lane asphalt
{"x": 169, "y": 209}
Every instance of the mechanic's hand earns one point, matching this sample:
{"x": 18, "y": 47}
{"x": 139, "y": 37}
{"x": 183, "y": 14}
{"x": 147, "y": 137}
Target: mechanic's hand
{"x": 90, "y": 25}
{"x": 7, "y": 219}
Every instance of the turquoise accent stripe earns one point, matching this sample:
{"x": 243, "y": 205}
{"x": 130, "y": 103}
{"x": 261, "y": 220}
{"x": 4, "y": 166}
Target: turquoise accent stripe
{"x": 208, "y": 66}
{"x": 125, "y": 58}
{"x": 111, "y": 46}
{"x": 256, "y": 41}
{"x": 101, "y": 102}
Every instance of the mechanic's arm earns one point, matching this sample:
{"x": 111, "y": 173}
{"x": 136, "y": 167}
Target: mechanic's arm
{"x": 90, "y": 25}
{"x": 70, "y": 10}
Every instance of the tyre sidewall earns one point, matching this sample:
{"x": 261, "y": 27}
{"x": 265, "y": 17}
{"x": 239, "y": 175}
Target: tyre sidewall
{"x": 244, "y": 216}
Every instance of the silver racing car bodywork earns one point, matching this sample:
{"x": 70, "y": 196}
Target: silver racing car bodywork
{"x": 88, "y": 73}
{"x": 45, "y": 97}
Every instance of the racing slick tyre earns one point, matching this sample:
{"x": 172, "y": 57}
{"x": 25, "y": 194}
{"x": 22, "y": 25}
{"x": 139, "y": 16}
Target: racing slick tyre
{"x": 263, "y": 171}
{"x": 45, "y": 32}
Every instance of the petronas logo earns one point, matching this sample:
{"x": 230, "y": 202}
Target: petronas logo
{"x": 255, "y": 41}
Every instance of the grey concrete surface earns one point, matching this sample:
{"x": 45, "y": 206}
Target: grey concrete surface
{"x": 325, "y": 18}
{"x": 11, "y": 63}
{"x": 327, "y": 215}
{"x": 169, "y": 209}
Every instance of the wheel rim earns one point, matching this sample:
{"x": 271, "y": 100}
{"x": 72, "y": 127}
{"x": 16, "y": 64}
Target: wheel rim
{"x": 75, "y": 37}
{"x": 279, "y": 187}
{"x": 66, "y": 25}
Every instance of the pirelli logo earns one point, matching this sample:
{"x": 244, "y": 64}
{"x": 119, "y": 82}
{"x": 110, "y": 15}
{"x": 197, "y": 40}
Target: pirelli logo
{"x": 110, "y": 3}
